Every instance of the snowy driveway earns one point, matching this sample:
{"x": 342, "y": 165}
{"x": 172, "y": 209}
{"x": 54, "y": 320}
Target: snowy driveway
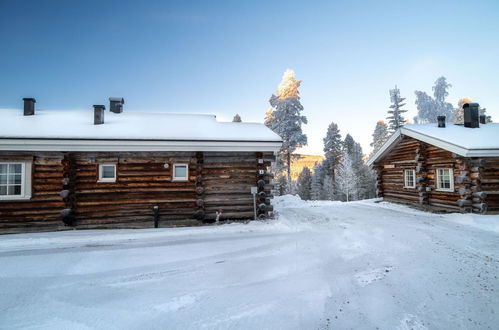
{"x": 322, "y": 265}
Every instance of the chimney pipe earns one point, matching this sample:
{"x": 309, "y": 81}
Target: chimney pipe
{"x": 471, "y": 115}
{"x": 441, "y": 121}
{"x": 116, "y": 104}
{"x": 99, "y": 114}
{"x": 29, "y": 106}
{"x": 483, "y": 119}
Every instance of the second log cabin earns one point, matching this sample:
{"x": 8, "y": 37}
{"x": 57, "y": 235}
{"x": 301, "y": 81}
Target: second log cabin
{"x": 119, "y": 169}
{"x": 442, "y": 166}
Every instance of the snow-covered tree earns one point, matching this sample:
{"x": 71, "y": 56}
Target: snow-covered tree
{"x": 332, "y": 148}
{"x": 380, "y": 136}
{"x": 440, "y": 89}
{"x": 304, "y": 183}
{"x": 328, "y": 188}
{"x": 429, "y": 108}
{"x": 285, "y": 118}
{"x": 237, "y": 118}
{"x": 281, "y": 185}
{"x": 317, "y": 182}
{"x": 395, "y": 117}
{"x": 346, "y": 180}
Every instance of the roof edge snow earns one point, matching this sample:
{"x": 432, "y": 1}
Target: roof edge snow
{"x": 449, "y": 146}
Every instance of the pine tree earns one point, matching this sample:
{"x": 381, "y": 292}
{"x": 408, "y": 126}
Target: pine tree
{"x": 237, "y": 118}
{"x": 281, "y": 186}
{"x": 395, "y": 118}
{"x": 317, "y": 182}
{"x": 346, "y": 179}
{"x": 380, "y": 136}
{"x": 328, "y": 188}
{"x": 363, "y": 176}
{"x": 286, "y": 120}
{"x": 304, "y": 183}
{"x": 332, "y": 148}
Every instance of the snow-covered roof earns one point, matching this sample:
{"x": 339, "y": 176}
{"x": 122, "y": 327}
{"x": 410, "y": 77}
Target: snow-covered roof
{"x": 194, "y": 130}
{"x": 464, "y": 141}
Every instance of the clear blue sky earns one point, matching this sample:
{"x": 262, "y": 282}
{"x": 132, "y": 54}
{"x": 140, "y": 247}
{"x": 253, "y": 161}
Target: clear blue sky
{"x": 227, "y": 57}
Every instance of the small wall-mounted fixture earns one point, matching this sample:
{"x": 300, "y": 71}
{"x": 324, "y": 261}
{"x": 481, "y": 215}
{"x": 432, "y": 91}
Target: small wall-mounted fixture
{"x": 166, "y": 165}
{"x": 261, "y": 172}
{"x": 260, "y": 161}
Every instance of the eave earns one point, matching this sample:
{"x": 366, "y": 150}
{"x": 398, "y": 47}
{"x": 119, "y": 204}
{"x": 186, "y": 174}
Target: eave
{"x": 403, "y": 131}
{"x": 135, "y": 145}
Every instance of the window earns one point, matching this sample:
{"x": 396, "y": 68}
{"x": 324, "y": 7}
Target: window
{"x": 180, "y": 172}
{"x": 107, "y": 172}
{"x": 409, "y": 179}
{"x": 445, "y": 179}
{"x": 14, "y": 181}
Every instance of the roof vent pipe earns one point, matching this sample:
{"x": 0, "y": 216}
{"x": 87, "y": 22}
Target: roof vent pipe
{"x": 441, "y": 121}
{"x": 471, "y": 115}
{"x": 29, "y": 106}
{"x": 116, "y": 104}
{"x": 483, "y": 119}
{"x": 99, "y": 114}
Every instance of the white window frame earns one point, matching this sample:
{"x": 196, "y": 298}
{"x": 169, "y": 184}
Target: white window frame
{"x": 25, "y": 181}
{"x": 451, "y": 179}
{"x": 175, "y": 178}
{"x": 406, "y": 185}
{"x": 101, "y": 172}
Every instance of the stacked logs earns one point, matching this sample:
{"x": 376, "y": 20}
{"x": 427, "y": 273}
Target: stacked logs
{"x": 421, "y": 174}
{"x": 264, "y": 209}
{"x": 200, "y": 213}
{"x": 478, "y": 196}
{"x": 68, "y": 190}
{"x": 379, "y": 180}
{"x": 463, "y": 183}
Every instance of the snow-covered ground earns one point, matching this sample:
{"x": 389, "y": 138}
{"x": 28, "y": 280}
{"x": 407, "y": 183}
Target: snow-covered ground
{"x": 321, "y": 265}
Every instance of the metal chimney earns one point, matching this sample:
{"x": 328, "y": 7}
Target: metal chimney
{"x": 116, "y": 104}
{"x": 471, "y": 115}
{"x": 441, "y": 121}
{"x": 99, "y": 114}
{"x": 29, "y": 106}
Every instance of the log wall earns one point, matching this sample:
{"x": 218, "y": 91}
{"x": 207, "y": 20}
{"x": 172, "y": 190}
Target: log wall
{"x": 66, "y": 193}
{"x": 476, "y": 180}
{"x": 42, "y": 211}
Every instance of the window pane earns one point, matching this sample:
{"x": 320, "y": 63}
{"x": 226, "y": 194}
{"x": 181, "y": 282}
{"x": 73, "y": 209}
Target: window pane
{"x": 108, "y": 171}
{"x": 3, "y": 190}
{"x": 15, "y": 168}
{"x": 180, "y": 171}
{"x": 14, "y": 179}
{"x": 14, "y": 190}
{"x": 3, "y": 168}
{"x": 3, "y": 179}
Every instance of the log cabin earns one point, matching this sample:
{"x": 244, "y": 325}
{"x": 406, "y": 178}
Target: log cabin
{"x": 442, "y": 166}
{"x": 117, "y": 169}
